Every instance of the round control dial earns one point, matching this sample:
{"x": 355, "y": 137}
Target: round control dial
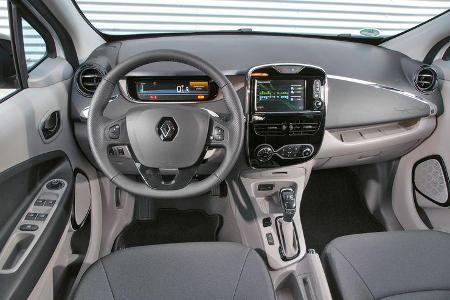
{"x": 55, "y": 184}
{"x": 318, "y": 104}
{"x": 306, "y": 152}
{"x": 264, "y": 153}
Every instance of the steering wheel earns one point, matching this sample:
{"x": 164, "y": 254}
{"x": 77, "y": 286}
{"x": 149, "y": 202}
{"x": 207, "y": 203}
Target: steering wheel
{"x": 166, "y": 141}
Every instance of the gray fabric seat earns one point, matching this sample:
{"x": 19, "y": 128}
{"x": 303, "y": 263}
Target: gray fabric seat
{"x": 389, "y": 265}
{"x": 178, "y": 271}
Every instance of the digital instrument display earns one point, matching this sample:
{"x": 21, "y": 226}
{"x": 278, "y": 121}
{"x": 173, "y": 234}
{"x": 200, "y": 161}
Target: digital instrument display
{"x": 280, "y": 95}
{"x": 169, "y": 90}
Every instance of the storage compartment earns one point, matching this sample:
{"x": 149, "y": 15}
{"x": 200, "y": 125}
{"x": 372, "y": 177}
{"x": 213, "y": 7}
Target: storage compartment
{"x": 295, "y": 287}
{"x": 15, "y": 250}
{"x": 371, "y": 144}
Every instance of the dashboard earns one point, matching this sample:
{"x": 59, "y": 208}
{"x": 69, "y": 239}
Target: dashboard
{"x": 333, "y": 102}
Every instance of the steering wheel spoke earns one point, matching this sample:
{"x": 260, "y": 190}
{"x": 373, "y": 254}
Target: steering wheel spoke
{"x": 219, "y": 133}
{"x": 115, "y": 131}
{"x": 115, "y": 138}
{"x": 166, "y": 179}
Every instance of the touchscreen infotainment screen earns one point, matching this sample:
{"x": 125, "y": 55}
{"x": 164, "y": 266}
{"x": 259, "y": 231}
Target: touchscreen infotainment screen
{"x": 280, "y": 95}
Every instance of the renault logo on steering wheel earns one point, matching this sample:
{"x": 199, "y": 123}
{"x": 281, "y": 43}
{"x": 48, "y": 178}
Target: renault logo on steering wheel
{"x": 167, "y": 129}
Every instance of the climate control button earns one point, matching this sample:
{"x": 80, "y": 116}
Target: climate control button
{"x": 306, "y": 152}
{"x": 264, "y": 153}
{"x": 295, "y": 151}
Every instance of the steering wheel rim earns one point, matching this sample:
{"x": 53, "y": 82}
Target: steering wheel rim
{"x": 97, "y": 125}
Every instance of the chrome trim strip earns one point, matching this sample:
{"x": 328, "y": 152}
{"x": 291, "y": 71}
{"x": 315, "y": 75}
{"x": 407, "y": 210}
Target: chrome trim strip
{"x": 85, "y": 112}
{"x": 433, "y": 107}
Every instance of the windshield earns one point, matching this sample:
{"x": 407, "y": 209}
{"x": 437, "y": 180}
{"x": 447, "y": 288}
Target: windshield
{"x": 370, "y": 18}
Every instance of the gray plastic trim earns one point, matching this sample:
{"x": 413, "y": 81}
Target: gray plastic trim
{"x": 433, "y": 107}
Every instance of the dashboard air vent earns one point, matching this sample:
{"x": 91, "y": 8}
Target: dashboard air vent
{"x": 270, "y": 129}
{"x": 425, "y": 79}
{"x": 88, "y": 78}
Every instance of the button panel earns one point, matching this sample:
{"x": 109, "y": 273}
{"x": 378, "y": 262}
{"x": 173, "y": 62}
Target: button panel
{"x": 114, "y": 132}
{"x": 121, "y": 151}
{"x": 35, "y": 220}
{"x": 294, "y": 151}
{"x": 218, "y": 134}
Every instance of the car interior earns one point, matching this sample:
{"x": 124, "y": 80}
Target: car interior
{"x": 240, "y": 149}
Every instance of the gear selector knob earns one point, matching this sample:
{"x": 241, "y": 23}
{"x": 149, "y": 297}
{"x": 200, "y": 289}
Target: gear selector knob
{"x": 288, "y": 203}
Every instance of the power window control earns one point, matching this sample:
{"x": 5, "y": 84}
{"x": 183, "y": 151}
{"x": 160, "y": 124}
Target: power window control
{"x": 28, "y": 227}
{"x": 31, "y": 216}
{"x": 49, "y": 203}
{"x": 41, "y": 217}
{"x": 39, "y": 202}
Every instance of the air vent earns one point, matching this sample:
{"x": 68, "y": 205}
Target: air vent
{"x": 425, "y": 79}
{"x": 270, "y": 129}
{"x": 88, "y": 78}
{"x": 303, "y": 128}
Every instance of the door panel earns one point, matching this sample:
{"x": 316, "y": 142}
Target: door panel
{"x": 19, "y": 185}
{"x": 36, "y": 145}
{"x": 27, "y": 162}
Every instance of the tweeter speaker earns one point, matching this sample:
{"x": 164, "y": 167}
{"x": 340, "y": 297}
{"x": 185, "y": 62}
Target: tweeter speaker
{"x": 430, "y": 180}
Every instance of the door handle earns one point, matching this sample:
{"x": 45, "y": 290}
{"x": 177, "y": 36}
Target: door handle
{"x": 50, "y": 125}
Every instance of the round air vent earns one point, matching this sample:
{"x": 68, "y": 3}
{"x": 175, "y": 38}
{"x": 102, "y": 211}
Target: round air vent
{"x": 425, "y": 79}
{"x": 88, "y": 78}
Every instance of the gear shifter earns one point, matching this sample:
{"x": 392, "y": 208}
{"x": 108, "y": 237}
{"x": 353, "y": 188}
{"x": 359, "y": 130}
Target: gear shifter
{"x": 288, "y": 203}
{"x": 286, "y": 227}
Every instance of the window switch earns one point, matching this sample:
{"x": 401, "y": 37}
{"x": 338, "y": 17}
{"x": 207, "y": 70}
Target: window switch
{"x": 31, "y": 216}
{"x": 39, "y": 202}
{"x": 28, "y": 227}
{"x": 41, "y": 217}
{"x": 49, "y": 203}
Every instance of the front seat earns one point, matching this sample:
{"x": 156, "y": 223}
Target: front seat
{"x": 389, "y": 265}
{"x": 178, "y": 271}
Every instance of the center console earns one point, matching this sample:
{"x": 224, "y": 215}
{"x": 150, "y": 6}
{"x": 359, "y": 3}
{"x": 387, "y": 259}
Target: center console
{"x": 286, "y": 108}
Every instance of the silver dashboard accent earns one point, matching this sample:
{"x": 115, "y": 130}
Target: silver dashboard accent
{"x": 433, "y": 107}
{"x": 210, "y": 112}
{"x": 85, "y": 112}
